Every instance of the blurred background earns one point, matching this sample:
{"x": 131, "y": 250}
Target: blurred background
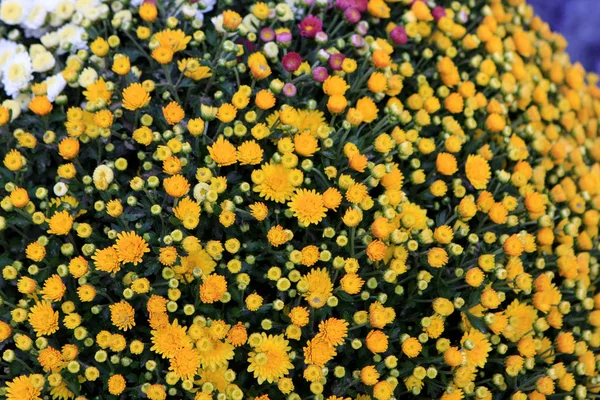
{"x": 578, "y": 21}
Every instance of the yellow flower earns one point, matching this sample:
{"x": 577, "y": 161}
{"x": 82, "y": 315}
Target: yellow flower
{"x": 249, "y": 153}
{"x": 478, "y": 171}
{"x": 107, "y": 260}
{"x": 307, "y": 206}
{"x": 21, "y": 388}
{"x": 319, "y": 287}
{"x": 213, "y": 288}
{"x": 135, "y": 97}
{"x": 131, "y": 247}
{"x": 40, "y": 105}
{"x": 185, "y": 363}
{"x": 43, "y": 319}
{"x": 176, "y": 40}
{"x": 122, "y": 315}
{"x": 173, "y": 113}
{"x": 272, "y": 182}
{"x": 98, "y": 91}
{"x": 176, "y": 186}
{"x": 222, "y": 152}
{"x": 116, "y": 384}
{"x": 226, "y": 113}
{"x": 13, "y": 160}
{"x": 187, "y": 211}
{"x": 269, "y": 361}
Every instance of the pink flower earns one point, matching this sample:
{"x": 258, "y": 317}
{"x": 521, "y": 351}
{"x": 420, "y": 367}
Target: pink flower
{"x": 320, "y": 74}
{"x": 352, "y": 15}
{"x": 438, "y": 13}
{"x": 336, "y": 60}
{"x": 289, "y": 90}
{"x": 291, "y": 61}
{"x": 310, "y": 26}
{"x": 398, "y": 35}
{"x": 267, "y": 35}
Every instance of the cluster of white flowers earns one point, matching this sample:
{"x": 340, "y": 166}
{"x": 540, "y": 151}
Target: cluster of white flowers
{"x": 60, "y": 27}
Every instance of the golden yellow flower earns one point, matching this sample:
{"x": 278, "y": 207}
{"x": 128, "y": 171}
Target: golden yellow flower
{"x": 43, "y": 319}
{"x": 131, "y": 247}
{"x": 135, "y": 97}
{"x": 122, "y": 315}
{"x": 222, "y": 152}
{"x": 307, "y": 206}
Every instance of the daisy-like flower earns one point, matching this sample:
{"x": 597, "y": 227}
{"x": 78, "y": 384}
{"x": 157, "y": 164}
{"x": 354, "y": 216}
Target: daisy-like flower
{"x": 270, "y": 361}
{"x": 107, "y": 260}
{"x": 185, "y": 363}
{"x": 307, "y": 206}
{"x": 319, "y": 287}
{"x": 167, "y": 341}
{"x": 273, "y": 182}
{"x": 333, "y": 331}
{"x": 478, "y": 171}
{"x": 131, "y": 247}
{"x": 43, "y": 319}
{"x": 21, "y": 388}
{"x": 476, "y": 346}
{"x": 122, "y": 315}
{"x": 135, "y": 97}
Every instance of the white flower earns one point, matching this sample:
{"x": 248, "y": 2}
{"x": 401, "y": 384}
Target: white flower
{"x": 54, "y": 86}
{"x": 284, "y": 12}
{"x": 271, "y": 49}
{"x": 103, "y": 174}
{"x": 14, "y": 107}
{"x": 36, "y": 17}
{"x": 13, "y": 12}
{"x": 136, "y": 3}
{"x": 50, "y": 40}
{"x": 87, "y": 77}
{"x": 23, "y": 99}
{"x": 204, "y": 6}
{"x": 43, "y": 62}
{"x": 17, "y": 73}
{"x": 251, "y": 22}
{"x": 72, "y": 37}
{"x": 218, "y": 23}
{"x": 7, "y": 49}
{"x": 64, "y": 10}
{"x": 60, "y": 189}
{"x": 200, "y": 191}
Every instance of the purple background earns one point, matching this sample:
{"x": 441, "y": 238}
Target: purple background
{"x": 578, "y": 21}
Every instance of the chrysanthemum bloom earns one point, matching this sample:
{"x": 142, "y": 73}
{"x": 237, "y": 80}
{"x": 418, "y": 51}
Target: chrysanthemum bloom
{"x": 68, "y": 148}
{"x": 148, "y": 12}
{"x": 411, "y": 347}
{"x": 176, "y": 186}
{"x": 122, "y": 315}
{"x": 40, "y": 105}
{"x": 272, "y": 182}
{"x": 222, "y": 152}
{"x": 43, "y": 319}
{"x": 131, "y": 247}
{"x": 13, "y": 160}
{"x": 476, "y": 347}
{"x": 249, "y": 153}
{"x": 333, "y": 331}
{"x": 156, "y": 392}
{"x": 318, "y": 351}
{"x": 213, "y": 288}
{"x": 135, "y": 97}
{"x": 175, "y": 39}
{"x": 185, "y": 363}
{"x": 107, "y": 259}
{"x": 237, "y": 335}
{"x": 291, "y": 61}
{"x": 478, "y": 171}
{"x": 173, "y": 113}
{"x": 188, "y": 211}
{"x": 21, "y": 388}
{"x": 231, "y": 20}
{"x": 270, "y": 361}
{"x": 319, "y": 287}
{"x": 54, "y": 288}
{"x": 116, "y": 384}
{"x": 310, "y": 26}
{"x": 307, "y": 206}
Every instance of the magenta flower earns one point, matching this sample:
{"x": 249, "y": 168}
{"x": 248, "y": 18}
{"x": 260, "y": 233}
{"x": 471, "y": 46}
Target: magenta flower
{"x": 438, "y": 12}
{"x": 291, "y": 61}
{"x": 357, "y": 41}
{"x": 336, "y": 60}
{"x": 284, "y": 37}
{"x": 320, "y": 74}
{"x": 398, "y": 35}
{"x": 310, "y": 26}
{"x": 352, "y": 15}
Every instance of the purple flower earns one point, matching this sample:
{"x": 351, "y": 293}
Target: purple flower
{"x": 267, "y": 35}
{"x": 289, "y": 90}
{"x": 438, "y": 12}
{"x": 344, "y": 4}
{"x": 359, "y": 5}
{"x": 284, "y": 37}
{"x": 320, "y": 74}
{"x": 398, "y": 35}
{"x": 362, "y": 28}
{"x": 291, "y": 61}
{"x": 310, "y": 26}
{"x": 336, "y": 60}
{"x": 352, "y": 15}
{"x": 357, "y": 41}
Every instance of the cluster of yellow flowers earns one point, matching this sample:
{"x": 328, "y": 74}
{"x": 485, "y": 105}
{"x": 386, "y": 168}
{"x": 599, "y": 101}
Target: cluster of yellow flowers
{"x": 349, "y": 199}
